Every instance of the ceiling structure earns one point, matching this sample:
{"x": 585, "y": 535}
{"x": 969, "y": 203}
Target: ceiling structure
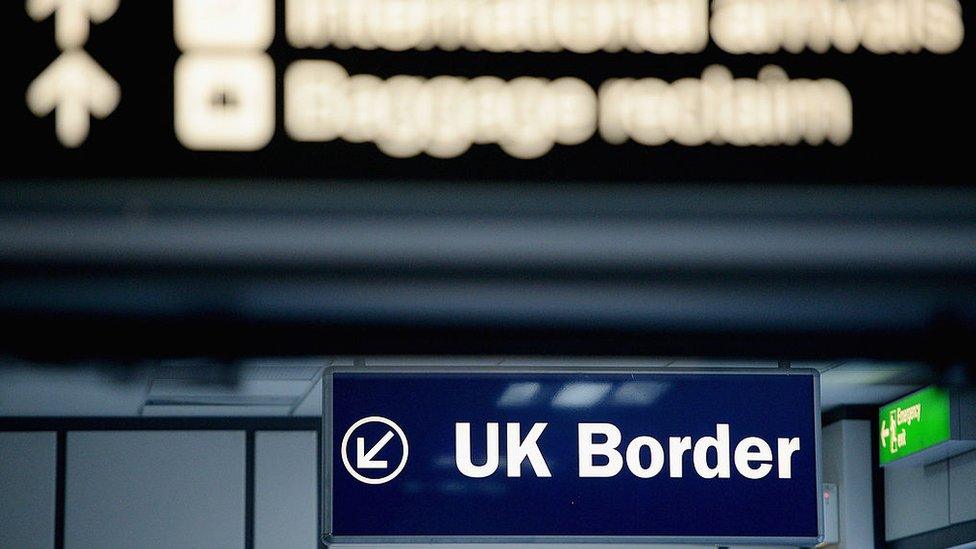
{"x": 292, "y": 387}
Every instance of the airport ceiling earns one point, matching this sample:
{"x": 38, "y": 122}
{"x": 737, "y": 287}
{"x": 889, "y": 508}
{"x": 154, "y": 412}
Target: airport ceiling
{"x": 291, "y": 387}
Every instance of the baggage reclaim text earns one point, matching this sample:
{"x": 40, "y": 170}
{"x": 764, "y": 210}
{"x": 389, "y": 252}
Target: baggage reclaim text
{"x": 603, "y": 454}
{"x": 444, "y": 116}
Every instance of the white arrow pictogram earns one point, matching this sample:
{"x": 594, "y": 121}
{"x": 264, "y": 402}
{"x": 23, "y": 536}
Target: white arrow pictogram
{"x": 884, "y": 433}
{"x": 72, "y": 18}
{"x": 75, "y": 87}
{"x": 364, "y": 460}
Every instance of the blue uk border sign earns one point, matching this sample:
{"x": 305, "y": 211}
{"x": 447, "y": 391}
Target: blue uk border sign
{"x": 446, "y": 455}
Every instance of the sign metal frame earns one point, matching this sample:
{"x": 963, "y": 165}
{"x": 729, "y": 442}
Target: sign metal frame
{"x": 327, "y": 460}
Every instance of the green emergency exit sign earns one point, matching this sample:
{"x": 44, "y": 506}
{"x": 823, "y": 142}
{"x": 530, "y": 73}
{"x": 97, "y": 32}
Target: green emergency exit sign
{"x": 915, "y": 423}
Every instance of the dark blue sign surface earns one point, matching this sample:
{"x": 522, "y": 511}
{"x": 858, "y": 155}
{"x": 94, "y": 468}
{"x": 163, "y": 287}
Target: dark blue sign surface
{"x": 592, "y": 455}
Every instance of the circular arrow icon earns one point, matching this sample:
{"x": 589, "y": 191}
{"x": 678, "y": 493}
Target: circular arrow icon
{"x": 366, "y": 454}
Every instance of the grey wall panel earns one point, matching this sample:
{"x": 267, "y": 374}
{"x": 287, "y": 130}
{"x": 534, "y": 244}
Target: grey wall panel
{"x": 916, "y": 499}
{"x": 285, "y": 490}
{"x": 847, "y": 463}
{"x": 28, "y": 467}
{"x": 962, "y": 488}
{"x": 160, "y": 489}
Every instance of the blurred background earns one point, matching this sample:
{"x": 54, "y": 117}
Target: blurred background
{"x": 205, "y": 203}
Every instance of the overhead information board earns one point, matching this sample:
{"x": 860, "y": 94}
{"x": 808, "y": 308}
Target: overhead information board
{"x": 599, "y": 456}
{"x": 654, "y": 91}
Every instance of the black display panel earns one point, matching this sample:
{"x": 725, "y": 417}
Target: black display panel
{"x": 911, "y": 111}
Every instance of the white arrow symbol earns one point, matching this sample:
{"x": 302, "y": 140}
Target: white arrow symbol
{"x": 72, "y": 18}
{"x": 75, "y": 87}
{"x": 364, "y": 459}
{"x": 884, "y": 433}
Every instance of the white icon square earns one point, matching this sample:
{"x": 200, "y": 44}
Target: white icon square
{"x": 224, "y": 24}
{"x": 225, "y": 102}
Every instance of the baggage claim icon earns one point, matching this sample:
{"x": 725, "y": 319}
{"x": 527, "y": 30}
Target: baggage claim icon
{"x": 373, "y": 435}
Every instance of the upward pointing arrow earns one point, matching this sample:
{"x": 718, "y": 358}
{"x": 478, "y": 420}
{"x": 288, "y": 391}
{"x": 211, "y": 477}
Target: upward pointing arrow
{"x": 72, "y": 18}
{"x": 75, "y": 87}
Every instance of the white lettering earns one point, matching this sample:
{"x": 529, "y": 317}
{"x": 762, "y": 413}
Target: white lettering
{"x": 582, "y": 26}
{"x": 908, "y": 415}
{"x": 745, "y": 456}
{"x": 519, "y": 449}
{"x": 720, "y": 442}
{"x": 634, "y": 457}
{"x": 408, "y": 115}
{"x": 880, "y": 26}
{"x": 444, "y": 116}
{"x": 676, "y": 450}
{"x": 588, "y": 449}
{"x": 462, "y": 451}
{"x": 786, "y": 447}
{"x": 719, "y": 109}
{"x": 600, "y": 455}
